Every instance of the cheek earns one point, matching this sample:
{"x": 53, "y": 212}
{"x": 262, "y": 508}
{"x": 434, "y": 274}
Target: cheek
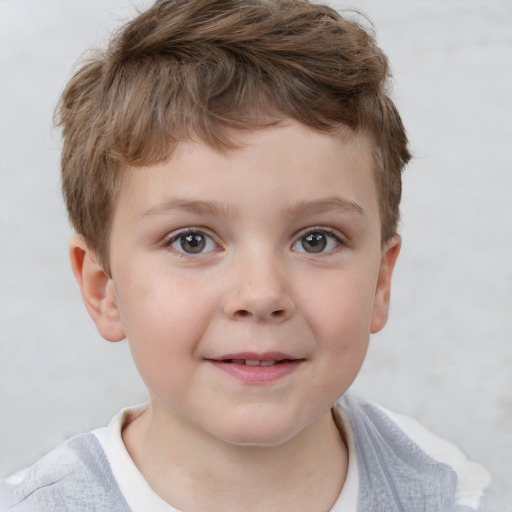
{"x": 164, "y": 320}
{"x": 340, "y": 319}
{"x": 342, "y": 309}
{"x": 164, "y": 301}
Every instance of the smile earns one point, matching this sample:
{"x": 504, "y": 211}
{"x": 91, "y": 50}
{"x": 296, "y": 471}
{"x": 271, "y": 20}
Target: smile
{"x": 253, "y": 362}
{"x": 257, "y": 368}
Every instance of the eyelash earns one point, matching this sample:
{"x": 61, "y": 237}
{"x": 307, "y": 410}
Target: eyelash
{"x": 176, "y": 236}
{"x": 333, "y": 235}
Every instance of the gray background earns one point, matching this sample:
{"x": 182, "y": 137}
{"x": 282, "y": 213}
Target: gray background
{"x": 445, "y": 356}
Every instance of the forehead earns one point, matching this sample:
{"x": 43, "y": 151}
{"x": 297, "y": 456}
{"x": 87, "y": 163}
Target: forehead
{"x": 279, "y": 167}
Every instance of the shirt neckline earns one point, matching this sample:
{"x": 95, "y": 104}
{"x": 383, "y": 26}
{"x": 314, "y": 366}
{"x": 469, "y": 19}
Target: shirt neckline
{"x": 141, "y": 497}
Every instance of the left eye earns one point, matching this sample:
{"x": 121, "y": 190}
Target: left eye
{"x": 317, "y": 242}
{"x": 193, "y": 242}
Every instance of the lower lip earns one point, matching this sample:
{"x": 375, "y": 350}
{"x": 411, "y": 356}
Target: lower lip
{"x": 261, "y": 374}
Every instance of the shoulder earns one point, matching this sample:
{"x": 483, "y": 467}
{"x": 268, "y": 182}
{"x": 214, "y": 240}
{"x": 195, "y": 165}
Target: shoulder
{"x": 404, "y": 466}
{"x": 74, "y": 476}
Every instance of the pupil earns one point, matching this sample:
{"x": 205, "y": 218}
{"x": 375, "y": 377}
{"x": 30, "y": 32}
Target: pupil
{"x": 314, "y": 242}
{"x": 193, "y": 243}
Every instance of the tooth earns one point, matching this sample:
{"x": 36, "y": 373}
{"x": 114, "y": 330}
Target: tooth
{"x": 238, "y": 361}
{"x": 267, "y": 363}
{"x": 252, "y": 362}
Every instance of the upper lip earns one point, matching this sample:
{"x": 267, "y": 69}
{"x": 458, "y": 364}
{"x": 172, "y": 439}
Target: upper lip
{"x": 256, "y": 356}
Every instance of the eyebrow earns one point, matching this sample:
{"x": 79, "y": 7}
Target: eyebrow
{"x": 324, "y": 205}
{"x": 191, "y": 205}
{"x": 300, "y": 208}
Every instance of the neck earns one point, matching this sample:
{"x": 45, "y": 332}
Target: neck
{"x": 194, "y": 471}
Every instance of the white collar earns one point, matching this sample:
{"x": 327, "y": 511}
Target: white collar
{"x": 141, "y": 497}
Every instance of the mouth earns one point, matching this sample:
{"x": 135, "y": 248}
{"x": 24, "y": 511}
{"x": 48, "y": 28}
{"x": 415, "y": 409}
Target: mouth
{"x": 253, "y": 367}
{"x": 256, "y": 362}
{"x": 256, "y": 359}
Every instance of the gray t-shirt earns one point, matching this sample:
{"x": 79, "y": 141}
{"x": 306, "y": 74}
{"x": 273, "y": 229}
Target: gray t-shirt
{"x": 400, "y": 467}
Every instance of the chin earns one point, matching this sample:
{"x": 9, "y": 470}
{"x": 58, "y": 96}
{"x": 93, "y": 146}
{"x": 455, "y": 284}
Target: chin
{"x": 261, "y": 432}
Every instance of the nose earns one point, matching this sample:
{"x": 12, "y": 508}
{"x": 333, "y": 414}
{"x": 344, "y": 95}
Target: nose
{"x": 260, "y": 290}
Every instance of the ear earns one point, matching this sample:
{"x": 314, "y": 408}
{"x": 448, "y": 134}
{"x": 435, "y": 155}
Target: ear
{"x": 383, "y": 289}
{"x": 97, "y": 288}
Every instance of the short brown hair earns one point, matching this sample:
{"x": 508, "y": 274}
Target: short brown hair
{"x": 194, "y": 69}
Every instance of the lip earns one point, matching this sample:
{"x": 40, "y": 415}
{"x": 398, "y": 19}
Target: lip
{"x": 285, "y": 365}
{"x": 258, "y": 356}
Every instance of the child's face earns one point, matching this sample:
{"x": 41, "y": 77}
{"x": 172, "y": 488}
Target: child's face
{"x": 269, "y": 255}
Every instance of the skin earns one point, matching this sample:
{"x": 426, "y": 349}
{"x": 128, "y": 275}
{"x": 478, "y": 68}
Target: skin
{"x": 210, "y": 440}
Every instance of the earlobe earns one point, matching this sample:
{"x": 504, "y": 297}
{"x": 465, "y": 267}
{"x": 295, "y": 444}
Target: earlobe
{"x": 383, "y": 289}
{"x": 97, "y": 288}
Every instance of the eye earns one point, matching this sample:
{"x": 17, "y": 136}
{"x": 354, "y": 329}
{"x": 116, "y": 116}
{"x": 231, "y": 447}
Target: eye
{"x": 192, "y": 242}
{"x": 317, "y": 241}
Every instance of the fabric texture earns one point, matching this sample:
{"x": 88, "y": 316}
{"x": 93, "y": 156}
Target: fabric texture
{"x": 399, "y": 475}
{"x": 75, "y": 476}
{"x": 395, "y": 466}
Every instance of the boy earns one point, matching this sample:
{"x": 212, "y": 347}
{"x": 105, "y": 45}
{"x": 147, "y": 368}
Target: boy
{"x": 232, "y": 170}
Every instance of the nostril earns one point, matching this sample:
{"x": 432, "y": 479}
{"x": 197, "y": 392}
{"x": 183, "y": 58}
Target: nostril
{"x": 260, "y": 314}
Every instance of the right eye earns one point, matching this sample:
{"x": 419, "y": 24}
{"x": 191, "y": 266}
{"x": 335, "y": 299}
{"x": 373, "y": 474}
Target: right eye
{"x": 192, "y": 242}
{"x": 318, "y": 241}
